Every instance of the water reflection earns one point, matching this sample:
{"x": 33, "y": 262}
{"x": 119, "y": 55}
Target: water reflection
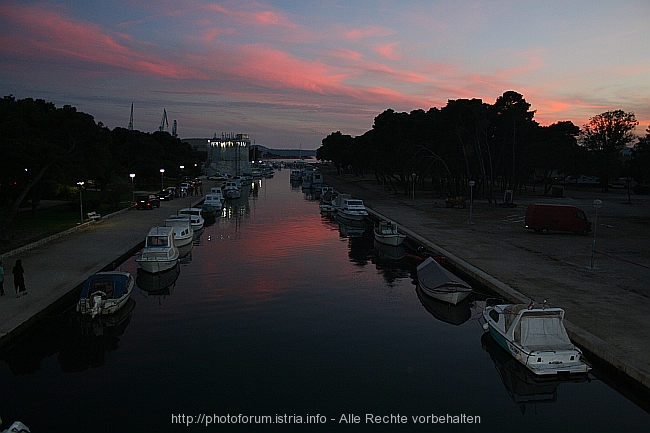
{"x": 78, "y": 341}
{"x": 160, "y": 284}
{"x": 524, "y": 388}
{"x": 444, "y": 311}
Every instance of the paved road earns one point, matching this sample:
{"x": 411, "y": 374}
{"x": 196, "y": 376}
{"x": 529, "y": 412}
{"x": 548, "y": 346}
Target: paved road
{"x": 607, "y": 306}
{"x": 54, "y": 269}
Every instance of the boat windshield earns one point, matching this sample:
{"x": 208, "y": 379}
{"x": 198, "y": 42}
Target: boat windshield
{"x": 157, "y": 241}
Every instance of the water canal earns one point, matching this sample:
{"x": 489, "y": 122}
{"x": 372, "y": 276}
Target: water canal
{"x": 276, "y": 317}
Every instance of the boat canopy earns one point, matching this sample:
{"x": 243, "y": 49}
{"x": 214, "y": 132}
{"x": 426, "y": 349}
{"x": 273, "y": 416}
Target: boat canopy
{"x": 538, "y": 329}
{"x": 113, "y": 285}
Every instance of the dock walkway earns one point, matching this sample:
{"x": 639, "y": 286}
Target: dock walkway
{"x": 55, "y": 267}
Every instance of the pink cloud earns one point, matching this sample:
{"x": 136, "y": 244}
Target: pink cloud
{"x": 389, "y": 51}
{"x": 49, "y": 34}
{"x": 368, "y": 32}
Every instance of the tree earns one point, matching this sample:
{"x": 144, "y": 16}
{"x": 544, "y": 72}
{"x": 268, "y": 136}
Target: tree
{"x": 605, "y": 135}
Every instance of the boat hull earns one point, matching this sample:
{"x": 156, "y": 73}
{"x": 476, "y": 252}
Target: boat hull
{"x": 450, "y": 295}
{"x": 391, "y": 239}
{"x": 155, "y": 266}
{"x": 351, "y": 216}
{"x": 440, "y": 284}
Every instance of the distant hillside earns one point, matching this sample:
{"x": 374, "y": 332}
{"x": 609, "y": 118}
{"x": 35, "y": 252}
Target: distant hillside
{"x": 266, "y": 153}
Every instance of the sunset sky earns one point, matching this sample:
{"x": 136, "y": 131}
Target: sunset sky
{"x": 289, "y": 72}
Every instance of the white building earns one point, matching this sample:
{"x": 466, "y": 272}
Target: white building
{"x": 229, "y": 154}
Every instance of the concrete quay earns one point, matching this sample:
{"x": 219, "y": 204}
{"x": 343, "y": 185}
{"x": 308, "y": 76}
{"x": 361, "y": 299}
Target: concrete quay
{"x": 54, "y": 267}
{"x": 602, "y": 281}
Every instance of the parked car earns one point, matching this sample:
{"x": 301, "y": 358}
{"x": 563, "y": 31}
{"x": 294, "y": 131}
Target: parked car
{"x": 143, "y": 202}
{"x": 165, "y": 195}
{"x": 155, "y": 201}
{"x": 556, "y": 217}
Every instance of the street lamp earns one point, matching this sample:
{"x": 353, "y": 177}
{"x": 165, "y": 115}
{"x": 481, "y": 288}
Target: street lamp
{"x": 81, "y": 201}
{"x": 596, "y": 205}
{"x": 471, "y": 199}
{"x": 132, "y": 176}
{"x": 162, "y": 176}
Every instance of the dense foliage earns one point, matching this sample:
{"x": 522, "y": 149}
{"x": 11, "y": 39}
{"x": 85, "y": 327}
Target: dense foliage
{"x": 47, "y": 150}
{"x": 499, "y": 146}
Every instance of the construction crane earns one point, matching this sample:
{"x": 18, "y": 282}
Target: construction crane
{"x": 164, "y": 123}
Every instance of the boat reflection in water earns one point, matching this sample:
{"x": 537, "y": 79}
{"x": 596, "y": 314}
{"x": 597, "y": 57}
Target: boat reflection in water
{"x": 389, "y": 252}
{"x": 444, "y": 311}
{"x": 110, "y": 324}
{"x": 160, "y": 284}
{"x": 525, "y": 388}
{"x": 350, "y": 228}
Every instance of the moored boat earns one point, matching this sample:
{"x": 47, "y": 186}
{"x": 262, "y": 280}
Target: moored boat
{"x": 352, "y": 209}
{"x": 196, "y": 219}
{"x": 211, "y": 204}
{"x": 386, "y": 232}
{"x": 535, "y": 337}
{"x": 105, "y": 293}
{"x": 183, "y": 232}
{"x": 159, "y": 252}
{"x": 439, "y": 283}
{"x": 231, "y": 190}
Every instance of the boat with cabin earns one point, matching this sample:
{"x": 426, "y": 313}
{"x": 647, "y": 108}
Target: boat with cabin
{"x": 159, "y": 252}
{"x": 231, "y": 190}
{"x": 196, "y": 219}
{"x": 352, "y": 209}
{"x": 536, "y": 337}
{"x": 183, "y": 232}
{"x": 212, "y": 204}
{"x": 386, "y": 233}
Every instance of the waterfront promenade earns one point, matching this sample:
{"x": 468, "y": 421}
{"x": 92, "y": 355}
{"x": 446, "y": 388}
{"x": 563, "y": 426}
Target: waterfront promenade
{"x": 53, "y": 269}
{"x": 607, "y": 305}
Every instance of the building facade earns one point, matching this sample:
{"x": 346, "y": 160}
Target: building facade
{"x": 229, "y": 154}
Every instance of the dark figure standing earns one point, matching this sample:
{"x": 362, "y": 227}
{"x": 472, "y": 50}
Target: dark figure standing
{"x": 19, "y": 278}
{"x": 2, "y": 279}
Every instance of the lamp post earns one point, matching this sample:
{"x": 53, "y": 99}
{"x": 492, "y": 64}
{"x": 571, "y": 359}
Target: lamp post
{"x": 162, "y": 179}
{"x": 81, "y": 201}
{"x": 413, "y": 176}
{"x": 471, "y": 199}
{"x": 596, "y": 204}
{"x": 132, "y": 176}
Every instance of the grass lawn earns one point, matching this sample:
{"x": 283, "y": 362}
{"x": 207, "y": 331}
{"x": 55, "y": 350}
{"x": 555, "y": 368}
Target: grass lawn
{"x": 30, "y": 226}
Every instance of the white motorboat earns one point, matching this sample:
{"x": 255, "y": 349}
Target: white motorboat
{"x": 183, "y": 232}
{"x": 386, "y": 233}
{"x": 159, "y": 253}
{"x": 535, "y": 337}
{"x": 212, "y": 204}
{"x": 231, "y": 190}
{"x": 105, "y": 292}
{"x": 196, "y": 220}
{"x": 352, "y": 209}
{"x": 439, "y": 283}
{"x": 217, "y": 191}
